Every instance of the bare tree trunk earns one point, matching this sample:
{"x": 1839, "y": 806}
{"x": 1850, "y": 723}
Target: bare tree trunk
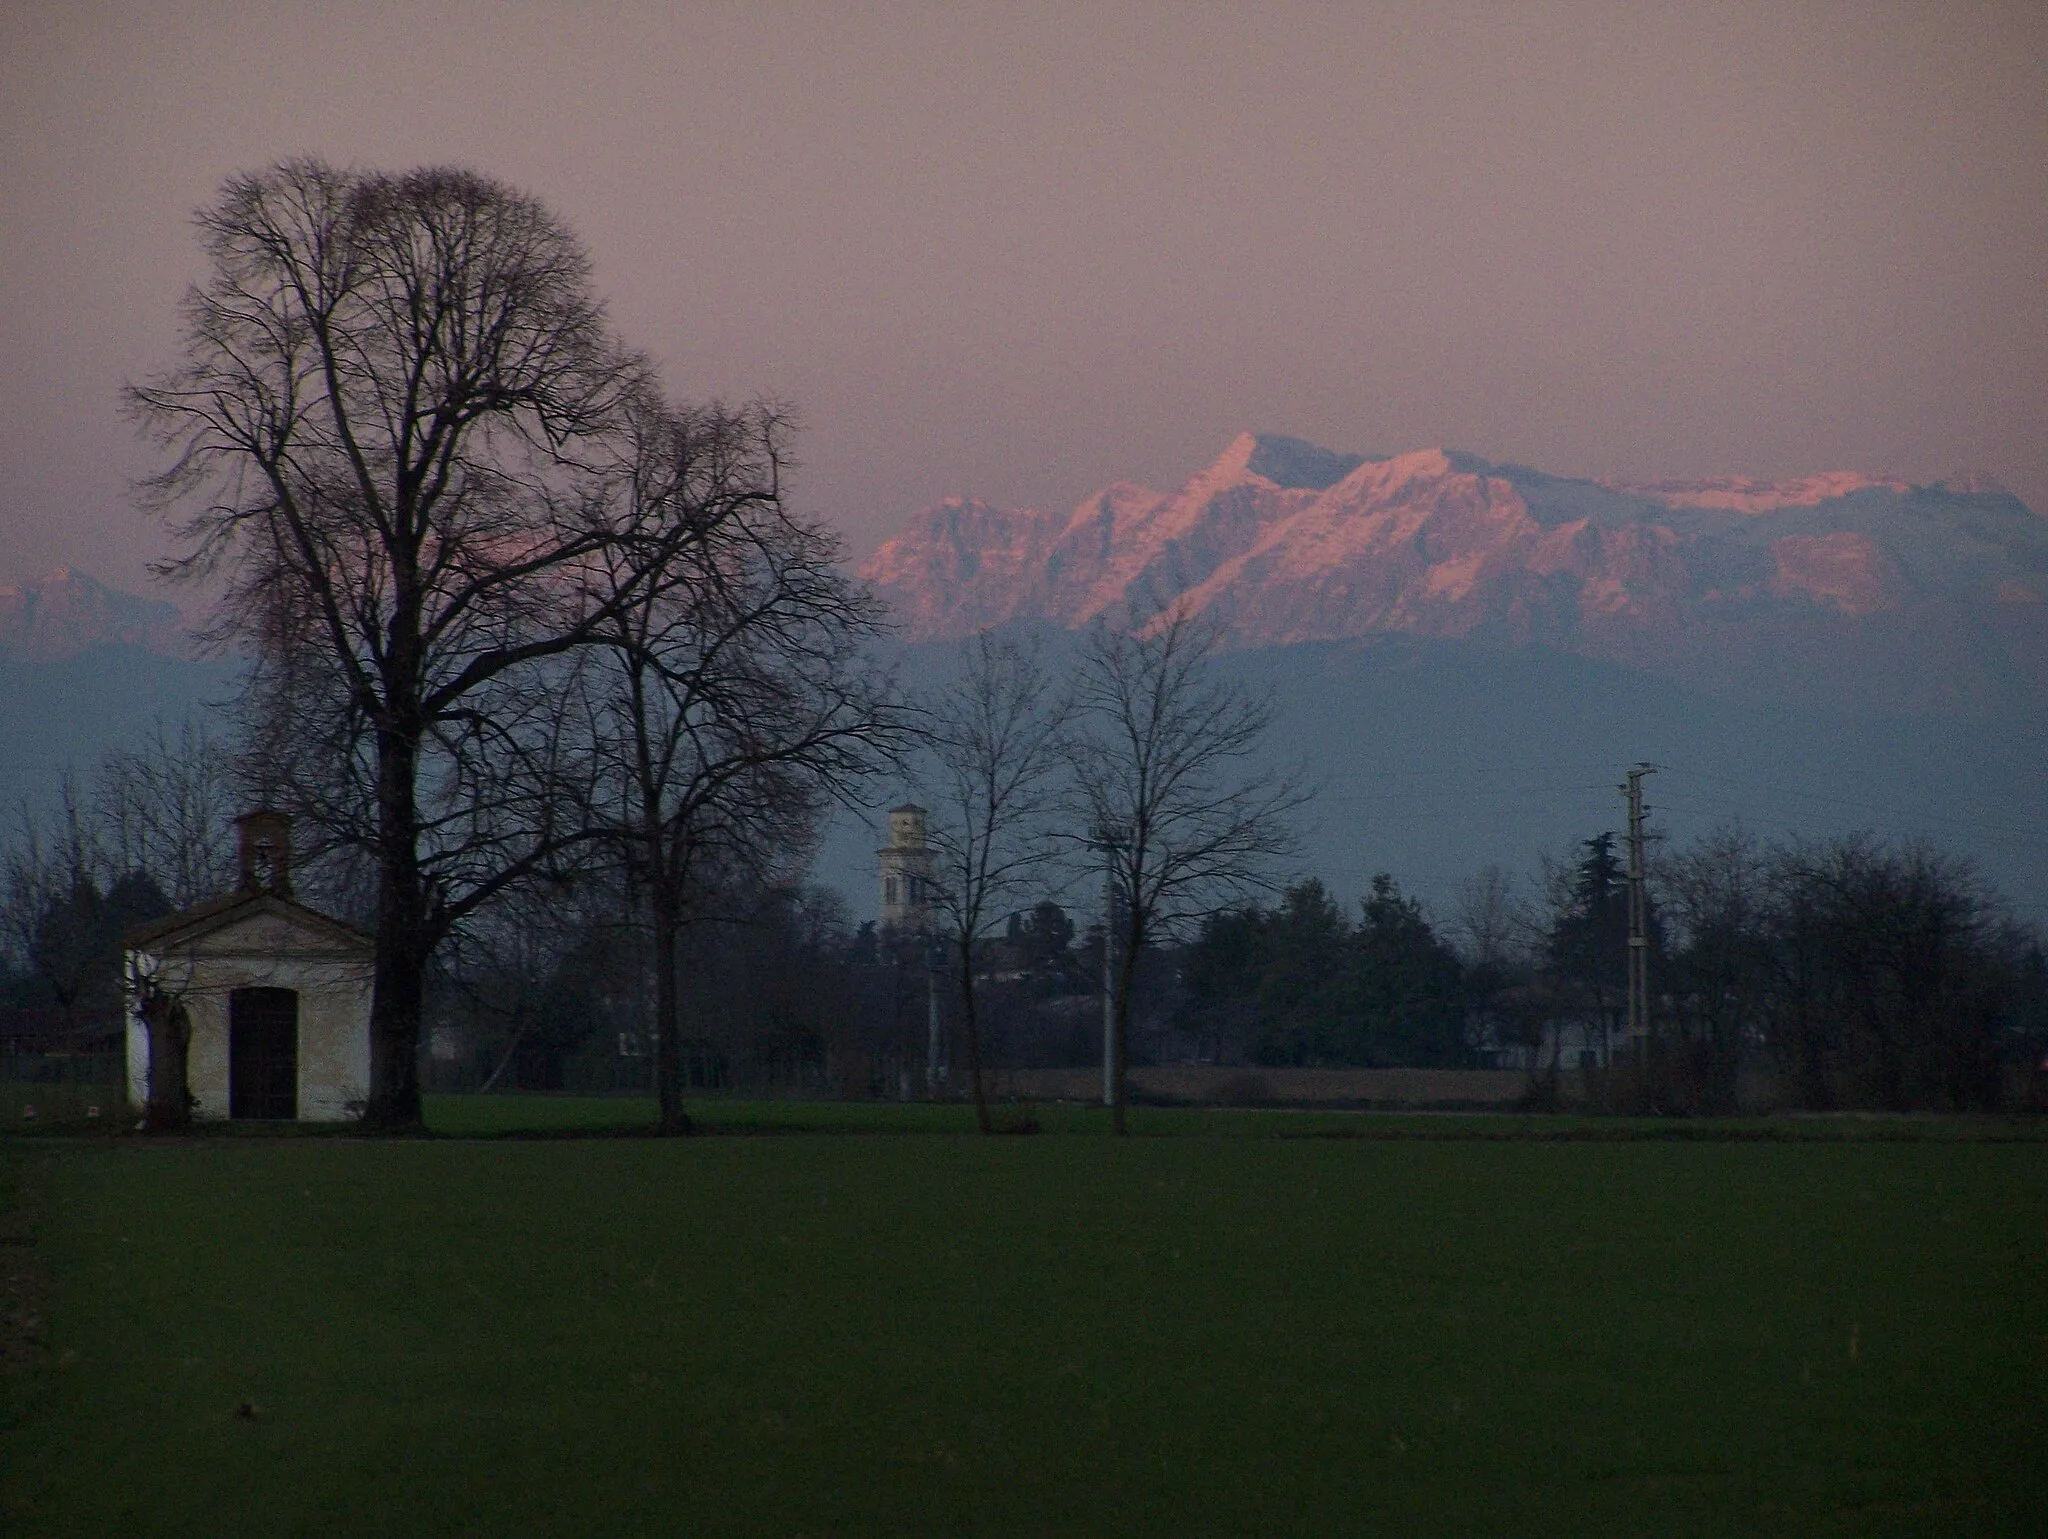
{"x": 1126, "y": 989}
{"x": 668, "y": 1035}
{"x": 399, "y": 980}
{"x": 971, "y": 1024}
{"x": 396, "y": 1000}
{"x": 170, "y": 1040}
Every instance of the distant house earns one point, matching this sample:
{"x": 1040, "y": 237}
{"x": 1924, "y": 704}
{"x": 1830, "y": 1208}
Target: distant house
{"x": 278, "y": 995}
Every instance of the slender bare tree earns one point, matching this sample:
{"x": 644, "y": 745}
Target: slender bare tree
{"x": 395, "y": 430}
{"x": 1162, "y": 754}
{"x": 1716, "y": 892}
{"x": 1490, "y": 919}
{"x": 993, "y": 742}
{"x": 166, "y": 807}
{"x": 735, "y": 701}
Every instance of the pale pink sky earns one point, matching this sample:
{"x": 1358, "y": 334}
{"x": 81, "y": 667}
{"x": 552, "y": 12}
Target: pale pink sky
{"x": 1021, "y": 250}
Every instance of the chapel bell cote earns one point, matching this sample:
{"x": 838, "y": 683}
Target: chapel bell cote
{"x": 266, "y": 852}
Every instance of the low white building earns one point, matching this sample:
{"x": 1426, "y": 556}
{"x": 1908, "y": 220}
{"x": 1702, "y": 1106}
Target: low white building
{"x": 278, "y": 995}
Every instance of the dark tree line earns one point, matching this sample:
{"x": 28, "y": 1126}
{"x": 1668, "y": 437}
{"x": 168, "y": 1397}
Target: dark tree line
{"x": 1828, "y": 974}
{"x": 780, "y": 994}
{"x": 148, "y": 831}
{"x": 1861, "y": 974}
{"x": 1824, "y": 974}
{"x": 1303, "y": 985}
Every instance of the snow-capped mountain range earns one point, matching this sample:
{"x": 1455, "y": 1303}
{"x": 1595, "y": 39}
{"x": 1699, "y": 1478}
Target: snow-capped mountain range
{"x": 1481, "y": 648}
{"x": 1841, "y": 589}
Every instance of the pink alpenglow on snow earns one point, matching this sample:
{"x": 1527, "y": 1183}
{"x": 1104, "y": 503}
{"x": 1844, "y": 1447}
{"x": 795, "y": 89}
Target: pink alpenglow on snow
{"x": 1282, "y": 543}
{"x": 1743, "y": 494}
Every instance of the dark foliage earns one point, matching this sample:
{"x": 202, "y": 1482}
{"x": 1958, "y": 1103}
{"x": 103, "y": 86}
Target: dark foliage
{"x": 1838, "y": 974}
{"x": 1300, "y": 985}
{"x": 1863, "y": 974}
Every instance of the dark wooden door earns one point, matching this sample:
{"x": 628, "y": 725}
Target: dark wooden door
{"x": 263, "y": 1053}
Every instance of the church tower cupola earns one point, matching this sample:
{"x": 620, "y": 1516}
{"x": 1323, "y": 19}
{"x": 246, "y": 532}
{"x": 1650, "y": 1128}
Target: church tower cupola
{"x": 906, "y": 872}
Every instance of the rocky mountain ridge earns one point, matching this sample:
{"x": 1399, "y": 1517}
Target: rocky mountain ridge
{"x": 1840, "y": 589}
{"x": 64, "y": 614}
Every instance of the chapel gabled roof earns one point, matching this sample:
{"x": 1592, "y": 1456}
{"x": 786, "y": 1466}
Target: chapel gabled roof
{"x": 202, "y": 919}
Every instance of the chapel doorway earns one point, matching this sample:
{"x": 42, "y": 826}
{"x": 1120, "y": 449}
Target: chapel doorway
{"x": 263, "y": 1053}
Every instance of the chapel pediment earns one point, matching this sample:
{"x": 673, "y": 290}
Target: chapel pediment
{"x": 259, "y": 923}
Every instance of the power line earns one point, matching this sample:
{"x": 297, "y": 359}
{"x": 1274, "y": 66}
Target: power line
{"x": 1434, "y": 790}
{"x": 1962, "y": 826}
{"x": 1779, "y": 790}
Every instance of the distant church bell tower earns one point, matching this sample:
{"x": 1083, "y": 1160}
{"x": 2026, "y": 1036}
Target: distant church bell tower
{"x": 906, "y": 873}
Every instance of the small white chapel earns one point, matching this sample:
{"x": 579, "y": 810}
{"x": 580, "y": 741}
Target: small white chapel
{"x": 278, "y": 994}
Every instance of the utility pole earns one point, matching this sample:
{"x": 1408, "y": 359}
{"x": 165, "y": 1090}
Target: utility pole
{"x": 1638, "y": 930}
{"x": 1108, "y": 974}
{"x": 1109, "y": 847}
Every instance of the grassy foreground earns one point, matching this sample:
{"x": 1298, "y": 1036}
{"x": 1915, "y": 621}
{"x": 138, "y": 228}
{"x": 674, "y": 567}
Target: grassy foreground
{"x": 815, "y": 1334}
{"x": 545, "y": 1116}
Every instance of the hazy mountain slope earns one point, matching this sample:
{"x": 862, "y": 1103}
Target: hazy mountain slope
{"x": 1837, "y": 590}
{"x": 1467, "y": 654}
{"x": 48, "y": 618}
{"x": 65, "y": 713}
{"x": 85, "y": 667}
{"x": 1437, "y": 757}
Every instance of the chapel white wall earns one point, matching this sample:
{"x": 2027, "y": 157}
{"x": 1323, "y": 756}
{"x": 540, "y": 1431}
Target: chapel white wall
{"x": 334, "y": 1018}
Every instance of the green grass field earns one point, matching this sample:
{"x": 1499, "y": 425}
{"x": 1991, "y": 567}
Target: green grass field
{"x": 1434, "y": 1330}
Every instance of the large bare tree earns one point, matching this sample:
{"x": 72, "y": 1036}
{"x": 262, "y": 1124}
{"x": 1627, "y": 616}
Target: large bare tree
{"x": 993, "y": 744}
{"x": 735, "y": 700}
{"x": 1164, "y": 760}
{"x": 395, "y": 432}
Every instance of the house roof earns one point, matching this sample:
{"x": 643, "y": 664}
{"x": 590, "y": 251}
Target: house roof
{"x": 202, "y": 919}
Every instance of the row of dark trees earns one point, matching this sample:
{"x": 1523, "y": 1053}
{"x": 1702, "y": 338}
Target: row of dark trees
{"x": 1300, "y": 984}
{"x": 1842, "y": 973}
{"x": 1863, "y": 974}
{"x": 149, "y": 831}
{"x": 1833, "y": 974}
{"x": 1823, "y": 974}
